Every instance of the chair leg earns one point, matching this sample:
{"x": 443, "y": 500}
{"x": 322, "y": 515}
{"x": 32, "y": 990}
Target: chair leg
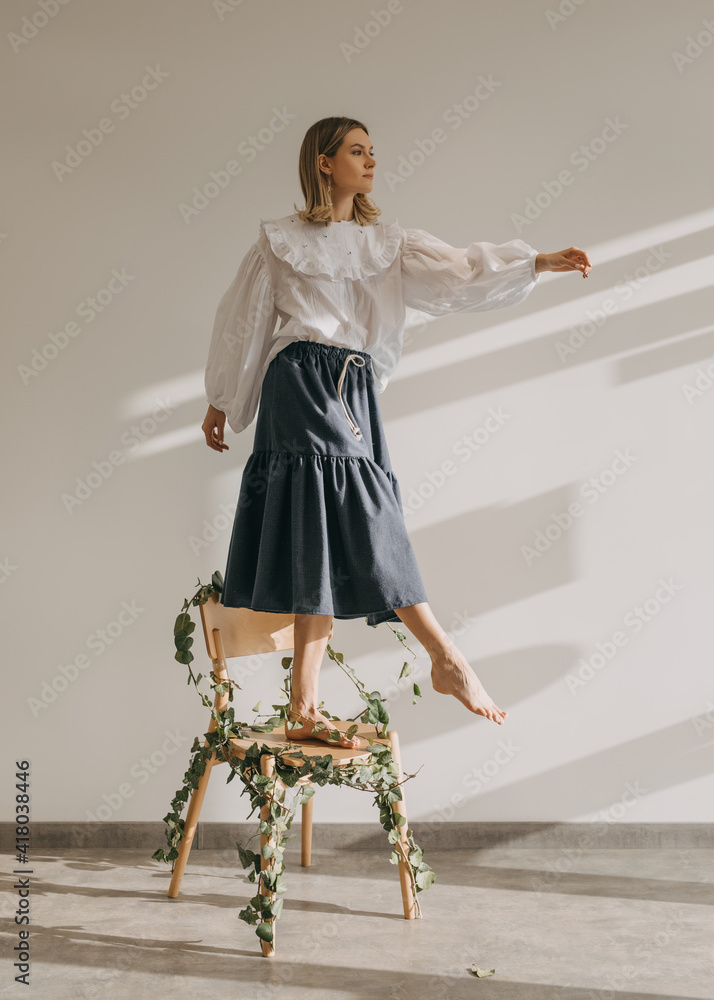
{"x": 189, "y": 829}
{"x": 408, "y": 901}
{"x": 267, "y": 767}
{"x": 306, "y": 835}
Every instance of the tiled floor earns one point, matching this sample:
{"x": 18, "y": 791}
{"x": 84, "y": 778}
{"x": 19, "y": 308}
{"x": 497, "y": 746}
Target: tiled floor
{"x": 555, "y": 925}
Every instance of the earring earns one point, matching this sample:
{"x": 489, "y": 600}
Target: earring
{"x": 329, "y": 190}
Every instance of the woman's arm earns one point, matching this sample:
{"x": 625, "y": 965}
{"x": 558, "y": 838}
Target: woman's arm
{"x": 214, "y": 427}
{"x": 572, "y": 259}
{"x": 240, "y": 343}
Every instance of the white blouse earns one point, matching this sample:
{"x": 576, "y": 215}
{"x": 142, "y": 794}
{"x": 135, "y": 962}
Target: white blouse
{"x": 347, "y": 284}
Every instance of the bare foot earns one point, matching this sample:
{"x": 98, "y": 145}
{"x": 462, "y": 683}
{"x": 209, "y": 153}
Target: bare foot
{"x": 452, "y": 674}
{"x": 305, "y": 731}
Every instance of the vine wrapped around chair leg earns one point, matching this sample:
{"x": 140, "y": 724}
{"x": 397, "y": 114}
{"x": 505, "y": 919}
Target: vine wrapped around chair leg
{"x": 269, "y": 839}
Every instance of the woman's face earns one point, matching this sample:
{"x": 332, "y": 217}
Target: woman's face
{"x": 353, "y": 164}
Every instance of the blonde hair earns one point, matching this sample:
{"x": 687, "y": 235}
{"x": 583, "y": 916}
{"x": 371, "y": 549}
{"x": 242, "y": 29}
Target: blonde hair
{"x": 326, "y": 136}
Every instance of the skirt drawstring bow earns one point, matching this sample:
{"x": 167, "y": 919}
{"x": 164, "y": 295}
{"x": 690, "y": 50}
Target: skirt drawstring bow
{"x": 359, "y": 361}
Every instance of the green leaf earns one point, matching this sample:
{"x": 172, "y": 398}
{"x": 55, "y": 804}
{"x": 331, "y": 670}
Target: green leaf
{"x": 268, "y": 850}
{"x": 417, "y": 692}
{"x": 400, "y": 636}
{"x": 425, "y": 879}
{"x": 399, "y": 819}
{"x": 393, "y": 836}
{"x": 182, "y": 622}
{"x": 247, "y": 857}
{"x": 394, "y": 858}
{"x": 264, "y": 931}
{"x": 256, "y": 708}
{"x": 406, "y": 670}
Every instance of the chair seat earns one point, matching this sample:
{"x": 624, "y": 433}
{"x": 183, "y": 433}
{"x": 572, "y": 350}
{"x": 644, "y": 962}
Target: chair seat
{"x": 313, "y": 747}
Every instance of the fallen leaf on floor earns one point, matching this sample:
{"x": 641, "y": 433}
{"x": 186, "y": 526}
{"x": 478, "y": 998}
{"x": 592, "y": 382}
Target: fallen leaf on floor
{"x": 482, "y": 972}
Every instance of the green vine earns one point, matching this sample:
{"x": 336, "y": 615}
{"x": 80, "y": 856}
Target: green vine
{"x": 377, "y": 774}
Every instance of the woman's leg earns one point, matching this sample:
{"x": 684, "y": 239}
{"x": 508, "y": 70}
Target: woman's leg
{"x": 450, "y": 671}
{"x": 311, "y": 633}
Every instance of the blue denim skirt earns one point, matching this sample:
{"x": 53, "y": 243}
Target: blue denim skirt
{"x": 319, "y": 527}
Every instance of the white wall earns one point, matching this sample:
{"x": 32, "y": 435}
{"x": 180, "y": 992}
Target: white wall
{"x": 626, "y": 740}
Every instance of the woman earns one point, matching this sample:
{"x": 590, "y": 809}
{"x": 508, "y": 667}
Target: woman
{"x": 319, "y": 529}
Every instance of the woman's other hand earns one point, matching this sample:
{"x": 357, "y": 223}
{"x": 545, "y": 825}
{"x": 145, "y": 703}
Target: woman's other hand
{"x": 572, "y": 259}
{"x": 213, "y": 427}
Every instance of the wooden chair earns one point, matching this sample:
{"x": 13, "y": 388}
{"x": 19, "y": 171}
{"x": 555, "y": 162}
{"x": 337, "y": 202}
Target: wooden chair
{"x": 233, "y": 632}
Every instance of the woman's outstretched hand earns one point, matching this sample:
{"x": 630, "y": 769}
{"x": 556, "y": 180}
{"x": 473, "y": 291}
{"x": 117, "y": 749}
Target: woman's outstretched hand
{"x": 213, "y": 427}
{"x": 572, "y": 259}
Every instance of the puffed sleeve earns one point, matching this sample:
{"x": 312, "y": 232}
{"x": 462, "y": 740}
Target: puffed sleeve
{"x": 440, "y": 279}
{"x": 242, "y": 334}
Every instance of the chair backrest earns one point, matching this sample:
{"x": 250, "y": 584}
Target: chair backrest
{"x": 244, "y": 631}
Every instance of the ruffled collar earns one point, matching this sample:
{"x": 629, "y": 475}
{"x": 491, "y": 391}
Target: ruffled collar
{"x": 341, "y": 250}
